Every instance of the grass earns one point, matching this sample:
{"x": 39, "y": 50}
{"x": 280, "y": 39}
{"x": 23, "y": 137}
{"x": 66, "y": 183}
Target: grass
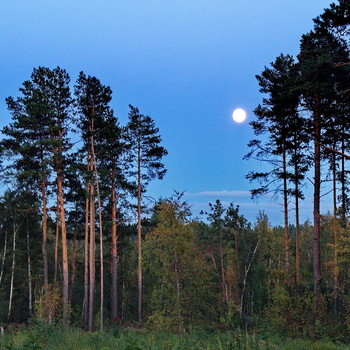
{"x": 40, "y": 337}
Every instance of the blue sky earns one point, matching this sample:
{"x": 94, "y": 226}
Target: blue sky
{"x": 185, "y": 63}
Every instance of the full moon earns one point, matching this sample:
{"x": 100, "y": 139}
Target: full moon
{"x": 239, "y": 115}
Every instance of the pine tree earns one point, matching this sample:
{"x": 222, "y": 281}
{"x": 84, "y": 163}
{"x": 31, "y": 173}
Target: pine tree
{"x": 318, "y": 56}
{"x": 113, "y": 165}
{"x": 57, "y": 82}
{"x": 95, "y": 117}
{"x": 25, "y": 143}
{"x": 146, "y": 154}
{"x": 37, "y": 140}
{"x": 276, "y": 117}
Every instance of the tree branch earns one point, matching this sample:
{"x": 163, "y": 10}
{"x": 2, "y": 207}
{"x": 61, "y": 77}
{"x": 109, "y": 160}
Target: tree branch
{"x": 334, "y": 151}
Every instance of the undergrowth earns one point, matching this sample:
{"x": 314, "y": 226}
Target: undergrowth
{"x": 41, "y": 337}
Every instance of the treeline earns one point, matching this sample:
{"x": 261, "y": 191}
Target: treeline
{"x": 78, "y": 243}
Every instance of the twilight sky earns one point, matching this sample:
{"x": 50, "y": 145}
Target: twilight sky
{"x": 186, "y": 63}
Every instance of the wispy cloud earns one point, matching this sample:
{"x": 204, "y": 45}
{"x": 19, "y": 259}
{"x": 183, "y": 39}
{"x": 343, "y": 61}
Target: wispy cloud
{"x": 223, "y": 193}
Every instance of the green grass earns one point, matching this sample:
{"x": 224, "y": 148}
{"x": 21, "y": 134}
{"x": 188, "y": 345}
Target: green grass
{"x": 59, "y": 338}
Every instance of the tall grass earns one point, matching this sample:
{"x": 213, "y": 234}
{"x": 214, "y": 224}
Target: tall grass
{"x": 40, "y": 337}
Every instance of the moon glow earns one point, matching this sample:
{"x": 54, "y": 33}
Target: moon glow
{"x": 239, "y": 115}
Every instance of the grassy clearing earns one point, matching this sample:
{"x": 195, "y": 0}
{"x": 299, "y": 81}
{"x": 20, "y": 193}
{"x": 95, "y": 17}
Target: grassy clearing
{"x": 58, "y": 338}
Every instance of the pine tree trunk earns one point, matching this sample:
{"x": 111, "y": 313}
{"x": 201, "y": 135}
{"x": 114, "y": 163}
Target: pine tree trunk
{"x": 335, "y": 236}
{"x": 74, "y": 265}
{"x": 317, "y": 193}
{"x": 297, "y": 230}
{"x": 114, "y": 252}
{"x": 139, "y": 237}
{"x": 297, "y": 215}
{"x": 92, "y": 259}
{"x": 92, "y": 267}
{"x": 64, "y": 246}
{"x": 30, "y": 288}
{"x": 285, "y": 212}
{"x": 343, "y": 183}
{"x": 101, "y": 236}
{"x": 86, "y": 260}
{"x": 58, "y": 224}
{"x": 44, "y": 229}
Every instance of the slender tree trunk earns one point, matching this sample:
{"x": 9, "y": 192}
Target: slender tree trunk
{"x": 92, "y": 267}
{"x": 178, "y": 298}
{"x": 102, "y": 260}
{"x": 86, "y": 260}
{"x": 64, "y": 246}
{"x": 246, "y": 272}
{"x": 223, "y": 275}
{"x": 44, "y": 229}
{"x": 30, "y": 288}
{"x": 343, "y": 182}
{"x": 215, "y": 264}
{"x": 123, "y": 298}
{"x": 101, "y": 235}
{"x": 114, "y": 252}
{"x": 335, "y": 236}
{"x": 58, "y": 225}
{"x": 92, "y": 258}
{"x": 139, "y": 237}
{"x": 285, "y": 212}
{"x": 74, "y": 265}
{"x": 15, "y": 230}
{"x": 238, "y": 268}
{"x": 317, "y": 193}
{"x": 3, "y": 257}
{"x": 297, "y": 229}
{"x": 297, "y": 214}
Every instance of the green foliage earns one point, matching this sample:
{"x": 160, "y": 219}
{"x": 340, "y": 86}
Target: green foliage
{"x": 48, "y": 305}
{"x": 182, "y": 287}
{"x": 145, "y": 150}
{"x": 230, "y": 317}
{"x": 59, "y": 338}
{"x": 291, "y": 315}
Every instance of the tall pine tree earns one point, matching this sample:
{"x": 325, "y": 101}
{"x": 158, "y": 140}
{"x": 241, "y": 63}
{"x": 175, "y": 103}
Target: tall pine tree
{"x": 146, "y": 154}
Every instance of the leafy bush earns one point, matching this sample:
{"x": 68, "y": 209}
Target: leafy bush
{"x": 48, "y": 305}
{"x": 291, "y": 315}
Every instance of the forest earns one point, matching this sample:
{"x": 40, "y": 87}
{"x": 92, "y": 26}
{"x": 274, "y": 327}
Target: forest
{"x": 82, "y": 247}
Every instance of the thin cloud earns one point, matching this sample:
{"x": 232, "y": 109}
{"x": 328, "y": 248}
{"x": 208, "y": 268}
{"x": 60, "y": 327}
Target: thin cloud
{"x": 223, "y": 193}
